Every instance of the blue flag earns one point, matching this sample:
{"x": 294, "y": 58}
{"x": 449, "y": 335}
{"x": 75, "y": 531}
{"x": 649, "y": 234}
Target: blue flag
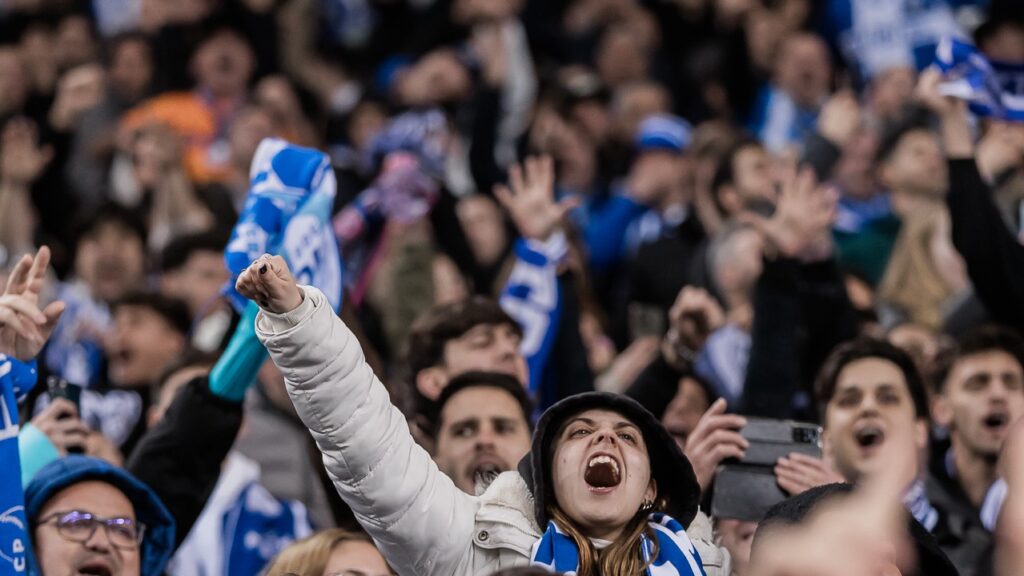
{"x": 288, "y": 212}
{"x": 16, "y": 380}
{"x": 991, "y": 89}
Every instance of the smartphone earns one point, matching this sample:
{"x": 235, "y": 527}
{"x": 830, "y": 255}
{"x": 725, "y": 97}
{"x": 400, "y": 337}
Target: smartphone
{"x": 61, "y": 388}
{"x": 744, "y": 489}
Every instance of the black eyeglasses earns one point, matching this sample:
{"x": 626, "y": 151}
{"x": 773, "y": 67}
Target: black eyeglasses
{"x": 78, "y": 526}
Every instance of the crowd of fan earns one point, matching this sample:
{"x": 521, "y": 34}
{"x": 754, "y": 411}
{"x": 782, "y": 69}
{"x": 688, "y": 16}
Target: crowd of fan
{"x": 748, "y": 208}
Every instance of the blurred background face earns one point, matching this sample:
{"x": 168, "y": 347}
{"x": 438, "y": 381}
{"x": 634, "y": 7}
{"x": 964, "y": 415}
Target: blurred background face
{"x": 74, "y": 43}
{"x": 486, "y": 347}
{"x": 483, "y": 431}
{"x": 110, "y": 260}
{"x": 736, "y": 536}
{"x": 601, "y": 472}
{"x": 198, "y": 281}
{"x": 803, "y": 70}
{"x": 13, "y": 81}
{"x": 685, "y": 409}
{"x": 140, "y": 345}
{"x": 753, "y": 175}
{"x": 917, "y": 165}
{"x": 634, "y": 102}
{"x": 131, "y": 70}
{"x": 871, "y": 405}
{"x": 484, "y": 225}
{"x": 252, "y": 125}
{"x": 621, "y": 57}
{"x": 438, "y": 77}
{"x": 356, "y": 558}
{"x": 224, "y": 64}
{"x": 982, "y": 398}
{"x": 890, "y": 91}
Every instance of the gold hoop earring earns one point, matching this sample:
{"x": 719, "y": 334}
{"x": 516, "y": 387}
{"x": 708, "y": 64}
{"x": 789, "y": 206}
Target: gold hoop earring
{"x": 646, "y": 506}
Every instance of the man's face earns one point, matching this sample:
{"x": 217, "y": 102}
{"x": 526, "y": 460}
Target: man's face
{"x": 224, "y": 65}
{"x": 13, "y": 81}
{"x": 737, "y": 536}
{"x": 198, "y": 281}
{"x": 482, "y": 221}
{"x": 803, "y": 70}
{"x": 110, "y": 261}
{"x": 488, "y": 348}
{"x": 483, "y": 430}
{"x": 917, "y": 165}
{"x": 60, "y": 556}
{"x": 983, "y": 396}
{"x": 685, "y": 410}
{"x": 131, "y": 69}
{"x": 140, "y": 345}
{"x": 870, "y": 406}
{"x": 753, "y": 177}
{"x": 436, "y": 78}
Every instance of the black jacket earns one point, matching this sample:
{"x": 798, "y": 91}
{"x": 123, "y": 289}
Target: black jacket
{"x": 959, "y": 532}
{"x": 994, "y": 257}
{"x": 180, "y": 458}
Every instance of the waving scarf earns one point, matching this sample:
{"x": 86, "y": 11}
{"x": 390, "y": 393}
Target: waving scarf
{"x": 990, "y": 88}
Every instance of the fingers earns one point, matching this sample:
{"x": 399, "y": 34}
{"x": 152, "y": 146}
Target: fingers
{"x": 504, "y": 195}
{"x": 23, "y": 306}
{"x": 515, "y": 179}
{"x": 58, "y": 408}
{"x": 21, "y": 326}
{"x": 37, "y": 274}
{"x": 18, "y": 278}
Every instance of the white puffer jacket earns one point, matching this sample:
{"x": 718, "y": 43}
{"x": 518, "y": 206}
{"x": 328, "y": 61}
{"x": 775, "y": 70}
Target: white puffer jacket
{"x": 422, "y": 523}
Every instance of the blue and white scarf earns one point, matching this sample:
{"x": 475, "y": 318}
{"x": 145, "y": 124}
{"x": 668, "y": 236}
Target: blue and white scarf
{"x": 16, "y": 380}
{"x": 990, "y": 88}
{"x": 288, "y": 212}
{"x": 533, "y": 298}
{"x": 677, "y": 556}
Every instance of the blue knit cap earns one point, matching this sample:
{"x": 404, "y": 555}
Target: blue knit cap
{"x": 158, "y": 540}
{"x": 663, "y": 132}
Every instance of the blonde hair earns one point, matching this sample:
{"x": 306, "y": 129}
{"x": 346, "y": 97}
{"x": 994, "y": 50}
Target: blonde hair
{"x": 310, "y": 555}
{"x": 623, "y": 557}
{"x": 913, "y": 282}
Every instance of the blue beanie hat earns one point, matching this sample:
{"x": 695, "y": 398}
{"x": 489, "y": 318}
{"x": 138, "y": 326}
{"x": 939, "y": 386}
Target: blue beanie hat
{"x": 663, "y": 132}
{"x": 158, "y": 540}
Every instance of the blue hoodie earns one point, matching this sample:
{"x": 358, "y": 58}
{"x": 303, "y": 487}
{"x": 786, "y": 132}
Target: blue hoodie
{"x": 158, "y": 541}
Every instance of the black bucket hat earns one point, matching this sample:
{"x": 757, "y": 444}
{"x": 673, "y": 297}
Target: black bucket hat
{"x": 677, "y": 485}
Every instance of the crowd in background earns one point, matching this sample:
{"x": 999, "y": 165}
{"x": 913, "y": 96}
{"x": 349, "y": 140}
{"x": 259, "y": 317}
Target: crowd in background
{"x": 714, "y": 207}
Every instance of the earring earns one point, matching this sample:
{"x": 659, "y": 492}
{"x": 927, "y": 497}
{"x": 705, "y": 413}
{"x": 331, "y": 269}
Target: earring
{"x": 647, "y": 505}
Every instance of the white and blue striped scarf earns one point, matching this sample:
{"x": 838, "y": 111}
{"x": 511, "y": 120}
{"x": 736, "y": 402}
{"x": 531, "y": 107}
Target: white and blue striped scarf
{"x": 990, "y": 88}
{"x": 676, "y": 554}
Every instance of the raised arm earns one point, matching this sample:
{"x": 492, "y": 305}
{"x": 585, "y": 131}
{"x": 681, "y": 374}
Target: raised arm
{"x": 419, "y": 519}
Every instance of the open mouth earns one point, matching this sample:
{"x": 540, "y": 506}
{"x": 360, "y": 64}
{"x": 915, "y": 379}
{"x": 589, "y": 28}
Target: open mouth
{"x": 870, "y": 436}
{"x": 484, "y": 469}
{"x": 95, "y": 569}
{"x": 602, "y": 472}
{"x": 997, "y": 421}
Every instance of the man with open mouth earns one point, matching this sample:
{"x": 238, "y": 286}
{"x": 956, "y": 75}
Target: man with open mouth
{"x": 979, "y": 394}
{"x": 483, "y": 428}
{"x": 88, "y": 517}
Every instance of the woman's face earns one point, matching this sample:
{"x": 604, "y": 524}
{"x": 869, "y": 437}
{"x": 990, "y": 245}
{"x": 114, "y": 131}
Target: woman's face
{"x": 356, "y": 558}
{"x": 601, "y": 472}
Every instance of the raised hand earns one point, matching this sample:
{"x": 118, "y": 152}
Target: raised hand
{"x": 798, "y": 473}
{"x": 60, "y": 422}
{"x": 269, "y": 283}
{"x": 840, "y": 118}
{"x": 531, "y": 200}
{"x": 24, "y": 328}
{"x": 715, "y": 438}
{"x": 693, "y": 317}
{"x": 22, "y": 160}
{"x": 803, "y": 216}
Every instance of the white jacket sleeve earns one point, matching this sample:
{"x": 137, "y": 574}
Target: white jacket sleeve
{"x": 422, "y": 523}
